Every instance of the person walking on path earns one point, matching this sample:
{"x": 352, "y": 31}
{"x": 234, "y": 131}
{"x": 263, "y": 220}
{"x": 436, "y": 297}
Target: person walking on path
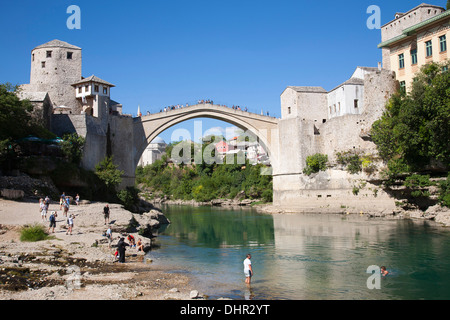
{"x": 248, "y": 271}
{"x": 42, "y": 209}
{"x": 52, "y": 220}
{"x": 106, "y": 213}
{"x": 70, "y": 224}
{"x": 61, "y": 200}
{"x": 66, "y": 205}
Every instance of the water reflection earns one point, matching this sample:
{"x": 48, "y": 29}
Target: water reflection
{"x": 303, "y": 256}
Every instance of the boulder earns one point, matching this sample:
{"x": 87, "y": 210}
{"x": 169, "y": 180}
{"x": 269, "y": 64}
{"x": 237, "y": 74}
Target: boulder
{"x": 194, "y": 294}
{"x": 12, "y": 194}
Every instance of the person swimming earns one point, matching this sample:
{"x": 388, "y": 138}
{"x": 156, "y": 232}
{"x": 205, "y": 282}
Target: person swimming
{"x": 383, "y": 271}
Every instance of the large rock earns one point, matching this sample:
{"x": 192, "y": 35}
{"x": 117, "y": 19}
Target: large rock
{"x": 440, "y": 214}
{"x": 12, "y": 194}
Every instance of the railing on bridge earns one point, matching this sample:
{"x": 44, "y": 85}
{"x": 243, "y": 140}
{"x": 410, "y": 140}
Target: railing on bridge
{"x": 206, "y": 102}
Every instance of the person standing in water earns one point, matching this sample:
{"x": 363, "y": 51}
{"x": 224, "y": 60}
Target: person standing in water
{"x": 248, "y": 271}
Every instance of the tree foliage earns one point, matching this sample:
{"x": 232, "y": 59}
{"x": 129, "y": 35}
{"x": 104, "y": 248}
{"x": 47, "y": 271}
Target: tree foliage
{"x": 15, "y": 118}
{"x": 416, "y": 125}
{"x": 315, "y": 163}
{"x": 414, "y": 132}
{"x": 16, "y": 123}
{"x": 72, "y": 147}
{"x": 205, "y": 182}
{"x": 107, "y": 172}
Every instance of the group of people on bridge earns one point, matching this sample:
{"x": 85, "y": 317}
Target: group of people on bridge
{"x": 202, "y": 101}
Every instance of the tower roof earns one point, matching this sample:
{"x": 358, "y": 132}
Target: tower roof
{"x": 57, "y": 44}
{"x": 93, "y": 79}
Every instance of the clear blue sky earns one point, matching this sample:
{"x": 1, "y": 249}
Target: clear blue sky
{"x": 161, "y": 53}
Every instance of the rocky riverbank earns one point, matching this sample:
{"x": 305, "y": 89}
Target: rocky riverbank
{"x": 82, "y": 266}
{"x": 436, "y": 213}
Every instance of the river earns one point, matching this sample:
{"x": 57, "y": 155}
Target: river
{"x": 305, "y": 256}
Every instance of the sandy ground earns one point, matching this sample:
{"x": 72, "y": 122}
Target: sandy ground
{"x": 80, "y": 266}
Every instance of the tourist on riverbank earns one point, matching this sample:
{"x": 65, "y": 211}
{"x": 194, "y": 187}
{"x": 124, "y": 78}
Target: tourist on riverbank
{"x": 106, "y": 213}
{"x": 131, "y": 240}
{"x": 77, "y": 199}
{"x": 109, "y": 236}
{"x": 66, "y": 204}
{"x": 139, "y": 245}
{"x": 248, "y": 271}
{"x": 62, "y": 198}
{"x": 52, "y": 220}
{"x": 70, "y": 224}
{"x": 121, "y": 248}
{"x": 42, "y": 209}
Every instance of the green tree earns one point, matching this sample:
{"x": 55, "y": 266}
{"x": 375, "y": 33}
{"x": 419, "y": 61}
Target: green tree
{"x": 16, "y": 123}
{"x": 444, "y": 192}
{"x": 315, "y": 163}
{"x": 15, "y": 118}
{"x": 416, "y": 125}
{"x": 129, "y": 197}
{"x": 107, "y": 172}
{"x": 72, "y": 147}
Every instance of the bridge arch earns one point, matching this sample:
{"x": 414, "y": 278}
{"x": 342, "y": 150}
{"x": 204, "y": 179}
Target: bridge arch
{"x": 148, "y": 127}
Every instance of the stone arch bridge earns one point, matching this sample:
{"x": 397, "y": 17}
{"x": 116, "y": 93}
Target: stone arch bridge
{"x": 125, "y": 138}
{"x": 147, "y": 128}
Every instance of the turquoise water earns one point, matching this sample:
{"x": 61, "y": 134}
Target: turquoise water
{"x": 305, "y": 256}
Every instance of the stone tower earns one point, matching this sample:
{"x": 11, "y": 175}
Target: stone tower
{"x": 55, "y": 66}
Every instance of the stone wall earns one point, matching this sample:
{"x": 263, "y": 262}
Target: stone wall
{"x": 333, "y": 189}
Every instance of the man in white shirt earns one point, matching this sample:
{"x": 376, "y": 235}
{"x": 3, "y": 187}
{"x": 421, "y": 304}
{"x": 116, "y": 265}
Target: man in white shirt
{"x": 248, "y": 271}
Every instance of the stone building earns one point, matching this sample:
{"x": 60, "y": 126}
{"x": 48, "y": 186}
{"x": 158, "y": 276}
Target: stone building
{"x": 316, "y": 121}
{"x": 413, "y": 39}
{"x": 154, "y": 151}
{"x": 318, "y": 105}
{"x": 55, "y": 66}
{"x": 57, "y": 86}
{"x": 93, "y": 94}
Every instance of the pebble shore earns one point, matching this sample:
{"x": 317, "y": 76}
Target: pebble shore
{"x": 80, "y": 266}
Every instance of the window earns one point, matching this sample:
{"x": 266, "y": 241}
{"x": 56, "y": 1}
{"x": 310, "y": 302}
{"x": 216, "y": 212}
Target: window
{"x": 96, "y": 88}
{"x": 403, "y": 86}
{"x": 43, "y": 64}
{"x": 429, "y": 48}
{"x": 444, "y": 68}
{"x": 32, "y": 57}
{"x": 355, "y": 103}
{"x": 49, "y": 54}
{"x": 289, "y": 110}
{"x": 401, "y": 61}
{"x": 414, "y": 56}
{"x": 86, "y": 88}
{"x": 69, "y": 55}
{"x": 79, "y": 89}
{"x": 443, "y": 43}
{"x": 105, "y": 90}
